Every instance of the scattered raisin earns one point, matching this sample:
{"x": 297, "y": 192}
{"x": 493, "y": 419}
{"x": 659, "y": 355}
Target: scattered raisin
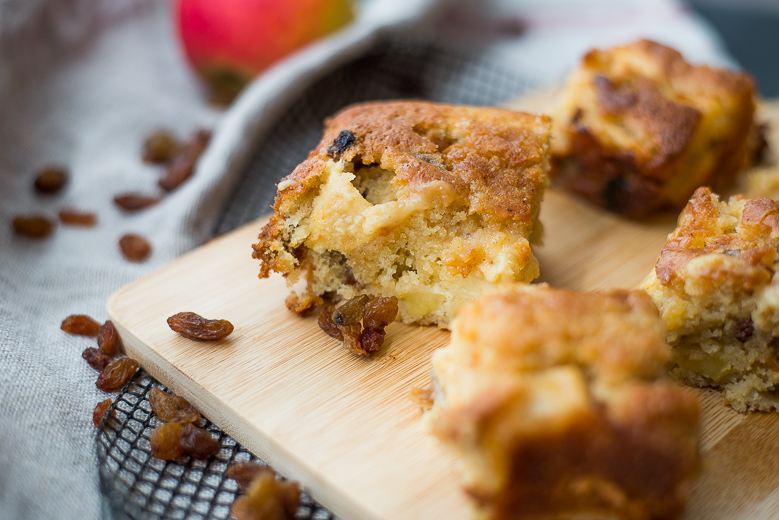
{"x": 96, "y": 358}
{"x": 244, "y": 472}
{"x": 74, "y": 217}
{"x": 117, "y": 374}
{"x": 380, "y": 312}
{"x": 135, "y": 248}
{"x": 268, "y": 499}
{"x": 198, "y": 442}
{"x": 343, "y": 142}
{"x": 344, "y": 323}
{"x": 240, "y": 509}
{"x": 81, "y": 325}
{"x": 165, "y": 441}
{"x": 101, "y": 410}
{"x": 371, "y": 341}
{"x": 160, "y": 147}
{"x": 183, "y": 163}
{"x": 172, "y": 408}
{"x": 350, "y": 313}
{"x": 33, "y": 226}
{"x": 51, "y": 179}
{"x": 351, "y": 334}
{"x": 108, "y": 339}
{"x": 135, "y": 201}
{"x": 194, "y": 326}
{"x": 327, "y": 324}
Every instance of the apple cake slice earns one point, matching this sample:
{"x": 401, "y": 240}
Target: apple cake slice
{"x": 716, "y": 286}
{"x": 638, "y": 128}
{"x": 425, "y": 202}
{"x": 554, "y": 402}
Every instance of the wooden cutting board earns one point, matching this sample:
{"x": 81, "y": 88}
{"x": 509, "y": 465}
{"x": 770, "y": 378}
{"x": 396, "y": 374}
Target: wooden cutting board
{"x": 345, "y": 426}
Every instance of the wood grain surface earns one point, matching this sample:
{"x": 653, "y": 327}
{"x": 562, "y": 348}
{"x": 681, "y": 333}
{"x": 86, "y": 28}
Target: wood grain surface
{"x": 345, "y": 426}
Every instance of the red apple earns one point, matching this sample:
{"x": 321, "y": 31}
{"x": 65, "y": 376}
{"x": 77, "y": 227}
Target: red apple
{"x": 231, "y": 41}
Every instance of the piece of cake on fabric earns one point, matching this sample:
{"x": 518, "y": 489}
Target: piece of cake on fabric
{"x": 638, "y": 128}
{"x": 716, "y": 286}
{"x": 426, "y": 202}
{"x": 554, "y": 402}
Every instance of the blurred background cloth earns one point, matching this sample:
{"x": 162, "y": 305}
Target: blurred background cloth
{"x": 83, "y": 82}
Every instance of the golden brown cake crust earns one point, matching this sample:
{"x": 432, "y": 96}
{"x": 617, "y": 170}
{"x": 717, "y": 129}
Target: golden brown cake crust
{"x": 716, "y": 286}
{"x": 700, "y": 233}
{"x": 476, "y": 150}
{"x": 405, "y": 136}
{"x": 525, "y": 327}
{"x": 670, "y": 125}
{"x": 639, "y": 128}
{"x": 447, "y": 196}
{"x": 552, "y": 399}
{"x": 639, "y": 467}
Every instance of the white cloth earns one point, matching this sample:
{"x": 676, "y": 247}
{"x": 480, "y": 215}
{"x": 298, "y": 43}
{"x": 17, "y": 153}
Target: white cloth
{"x": 82, "y": 82}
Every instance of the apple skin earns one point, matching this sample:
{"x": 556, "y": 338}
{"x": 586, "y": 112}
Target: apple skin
{"x": 231, "y": 41}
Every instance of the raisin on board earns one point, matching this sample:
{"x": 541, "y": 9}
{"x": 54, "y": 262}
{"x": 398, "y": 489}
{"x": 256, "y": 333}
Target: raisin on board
{"x": 172, "y": 408}
{"x": 371, "y": 341}
{"x": 51, "y": 179}
{"x": 117, "y": 374}
{"x": 183, "y": 163}
{"x": 134, "y": 248}
{"x": 352, "y": 338}
{"x": 33, "y": 226}
{"x": 135, "y": 201}
{"x": 344, "y": 323}
{"x": 380, "y": 312}
{"x": 194, "y": 326}
{"x": 96, "y": 358}
{"x": 350, "y": 313}
{"x": 81, "y": 325}
{"x": 160, "y": 147}
{"x": 165, "y": 441}
{"x": 244, "y": 472}
{"x": 75, "y": 217}
{"x": 101, "y": 410}
{"x": 108, "y": 339}
{"x": 327, "y": 324}
{"x": 199, "y": 443}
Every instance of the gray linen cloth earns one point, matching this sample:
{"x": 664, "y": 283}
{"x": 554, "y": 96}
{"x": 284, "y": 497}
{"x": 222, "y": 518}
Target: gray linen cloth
{"x": 82, "y": 82}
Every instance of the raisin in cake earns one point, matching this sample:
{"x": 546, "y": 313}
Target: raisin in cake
{"x": 551, "y": 399}
{"x": 426, "y": 202}
{"x": 718, "y": 294}
{"x": 638, "y": 128}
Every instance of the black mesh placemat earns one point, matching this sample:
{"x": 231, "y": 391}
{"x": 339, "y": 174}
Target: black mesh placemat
{"x": 134, "y": 484}
{"x": 138, "y": 486}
